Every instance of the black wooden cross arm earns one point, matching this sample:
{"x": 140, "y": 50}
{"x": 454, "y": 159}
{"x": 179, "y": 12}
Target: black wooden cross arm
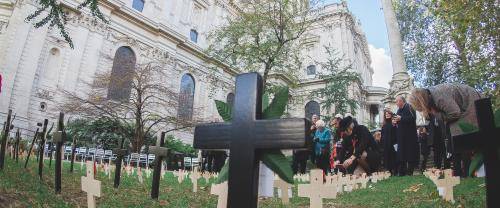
{"x": 268, "y": 134}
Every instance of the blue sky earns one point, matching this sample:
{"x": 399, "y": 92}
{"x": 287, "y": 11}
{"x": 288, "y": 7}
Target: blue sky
{"x": 371, "y": 16}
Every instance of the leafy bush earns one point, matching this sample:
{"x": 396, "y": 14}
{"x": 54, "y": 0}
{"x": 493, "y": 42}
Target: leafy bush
{"x": 103, "y": 132}
{"x": 178, "y": 146}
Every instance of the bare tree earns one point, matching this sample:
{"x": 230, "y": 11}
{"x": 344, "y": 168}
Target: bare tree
{"x": 141, "y": 96}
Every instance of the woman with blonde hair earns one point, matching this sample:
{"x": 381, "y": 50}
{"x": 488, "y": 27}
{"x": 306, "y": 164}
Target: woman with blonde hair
{"x": 451, "y": 103}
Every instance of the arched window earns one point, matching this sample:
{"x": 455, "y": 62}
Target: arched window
{"x": 230, "y": 99}
{"x": 120, "y": 83}
{"x": 138, "y": 5}
{"x": 193, "y": 35}
{"x": 186, "y": 98}
{"x": 312, "y": 108}
{"x": 311, "y": 70}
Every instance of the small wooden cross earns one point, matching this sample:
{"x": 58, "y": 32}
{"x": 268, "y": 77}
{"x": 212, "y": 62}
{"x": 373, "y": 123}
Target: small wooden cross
{"x": 387, "y": 174}
{"x": 162, "y": 172}
{"x": 447, "y": 183}
{"x": 247, "y": 133}
{"x": 487, "y": 141}
{"x": 316, "y": 190}
{"x": 206, "y": 176}
{"x": 139, "y": 176}
{"x": 343, "y": 181}
{"x": 81, "y": 164}
{"x": 375, "y": 177}
{"x": 180, "y": 175}
{"x": 128, "y": 168}
{"x": 363, "y": 180}
{"x": 90, "y": 185}
{"x": 283, "y": 186}
{"x": 334, "y": 180}
{"x": 349, "y": 183}
{"x": 148, "y": 171}
{"x": 194, "y": 176}
{"x": 221, "y": 191}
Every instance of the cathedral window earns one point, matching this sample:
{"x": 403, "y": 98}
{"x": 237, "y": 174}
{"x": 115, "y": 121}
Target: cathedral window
{"x": 311, "y": 70}
{"x": 312, "y": 108}
{"x": 186, "y": 98}
{"x": 120, "y": 83}
{"x": 230, "y": 99}
{"x": 193, "y": 35}
{"x": 138, "y": 5}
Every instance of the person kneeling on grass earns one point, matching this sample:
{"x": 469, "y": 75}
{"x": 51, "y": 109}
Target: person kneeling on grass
{"x": 365, "y": 157}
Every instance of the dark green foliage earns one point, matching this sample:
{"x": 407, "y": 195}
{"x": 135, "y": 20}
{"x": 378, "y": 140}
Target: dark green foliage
{"x": 177, "y": 145}
{"x": 274, "y": 159}
{"x": 280, "y": 165}
{"x": 337, "y": 77}
{"x": 278, "y": 105}
{"x": 224, "y": 110}
{"x": 57, "y": 16}
{"x": 102, "y": 131}
{"x": 223, "y": 174}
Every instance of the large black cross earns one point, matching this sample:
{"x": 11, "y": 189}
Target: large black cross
{"x": 120, "y": 153}
{"x": 3, "y": 143}
{"x": 59, "y": 138}
{"x": 246, "y": 135}
{"x": 487, "y": 141}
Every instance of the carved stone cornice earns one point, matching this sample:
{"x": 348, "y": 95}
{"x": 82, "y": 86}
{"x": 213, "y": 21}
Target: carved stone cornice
{"x": 87, "y": 21}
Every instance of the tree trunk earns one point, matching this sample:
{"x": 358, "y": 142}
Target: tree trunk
{"x": 265, "y": 75}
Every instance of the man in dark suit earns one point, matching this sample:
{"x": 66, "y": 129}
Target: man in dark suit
{"x": 406, "y": 136}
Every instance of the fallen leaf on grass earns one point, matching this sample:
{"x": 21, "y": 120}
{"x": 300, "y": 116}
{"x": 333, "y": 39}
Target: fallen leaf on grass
{"x": 163, "y": 202}
{"x": 482, "y": 185}
{"x": 414, "y": 188}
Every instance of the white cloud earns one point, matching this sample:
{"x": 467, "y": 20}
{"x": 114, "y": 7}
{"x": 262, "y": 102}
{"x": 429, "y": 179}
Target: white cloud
{"x": 382, "y": 66}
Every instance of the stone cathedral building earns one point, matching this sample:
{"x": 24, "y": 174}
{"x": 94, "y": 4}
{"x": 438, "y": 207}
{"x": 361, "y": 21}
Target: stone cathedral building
{"x": 37, "y": 64}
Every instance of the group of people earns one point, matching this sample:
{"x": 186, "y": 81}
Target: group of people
{"x": 345, "y": 146}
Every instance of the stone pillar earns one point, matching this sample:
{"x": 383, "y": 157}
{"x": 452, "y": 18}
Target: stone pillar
{"x": 381, "y": 114}
{"x": 401, "y": 83}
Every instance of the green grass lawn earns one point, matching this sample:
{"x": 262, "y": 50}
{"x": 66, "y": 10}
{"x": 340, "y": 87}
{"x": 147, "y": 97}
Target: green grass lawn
{"x": 21, "y": 187}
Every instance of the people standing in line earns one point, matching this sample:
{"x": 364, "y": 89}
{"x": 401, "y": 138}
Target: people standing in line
{"x": 322, "y": 138}
{"x": 363, "y": 154}
{"x": 406, "y": 136}
{"x": 425, "y": 145}
{"x": 453, "y": 104}
{"x": 388, "y": 143}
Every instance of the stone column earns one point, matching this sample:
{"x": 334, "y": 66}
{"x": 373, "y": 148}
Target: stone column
{"x": 401, "y": 82}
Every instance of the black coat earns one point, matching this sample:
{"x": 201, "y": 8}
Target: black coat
{"x": 406, "y": 135}
{"x": 360, "y": 141}
{"x": 388, "y": 141}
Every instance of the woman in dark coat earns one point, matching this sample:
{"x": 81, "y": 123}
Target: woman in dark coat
{"x": 365, "y": 151}
{"x": 388, "y": 142}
